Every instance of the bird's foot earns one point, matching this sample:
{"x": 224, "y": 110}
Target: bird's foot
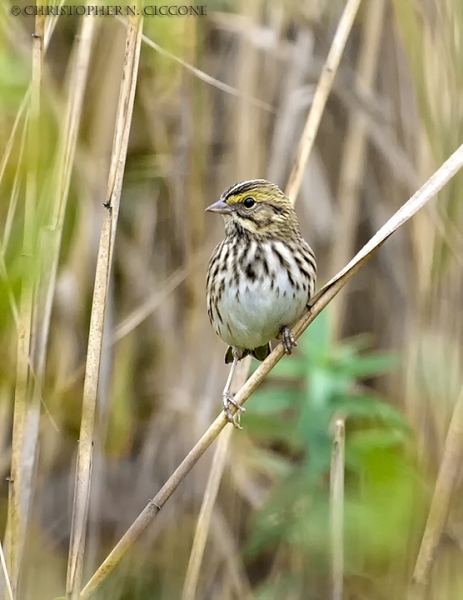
{"x": 235, "y": 419}
{"x": 288, "y": 340}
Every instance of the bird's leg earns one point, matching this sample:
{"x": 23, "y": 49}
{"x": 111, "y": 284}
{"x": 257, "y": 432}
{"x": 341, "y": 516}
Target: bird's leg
{"x": 228, "y": 396}
{"x": 287, "y": 338}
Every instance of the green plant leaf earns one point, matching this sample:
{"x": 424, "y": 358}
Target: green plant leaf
{"x": 273, "y": 429}
{"x": 367, "y": 366}
{"x": 275, "y": 400}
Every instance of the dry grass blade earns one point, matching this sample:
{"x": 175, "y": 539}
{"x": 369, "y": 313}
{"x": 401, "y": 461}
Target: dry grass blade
{"x": 51, "y": 243}
{"x": 66, "y": 154}
{"x": 49, "y": 27}
{"x": 10, "y": 142}
{"x": 17, "y": 493}
{"x": 204, "y": 76}
{"x": 353, "y": 156}
{"x": 210, "y": 495}
{"x": 448, "y": 472}
{"x": 319, "y": 302}
{"x": 205, "y": 515}
{"x": 5, "y": 574}
{"x": 337, "y": 509}
{"x": 85, "y": 450}
{"x": 321, "y": 95}
{"x": 142, "y": 312}
{"x": 9, "y": 223}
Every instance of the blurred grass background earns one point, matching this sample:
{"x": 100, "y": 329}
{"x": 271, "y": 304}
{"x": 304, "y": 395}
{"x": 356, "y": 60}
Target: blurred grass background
{"x": 386, "y": 355}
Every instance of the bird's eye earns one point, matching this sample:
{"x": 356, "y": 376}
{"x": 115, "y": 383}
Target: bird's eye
{"x": 249, "y": 202}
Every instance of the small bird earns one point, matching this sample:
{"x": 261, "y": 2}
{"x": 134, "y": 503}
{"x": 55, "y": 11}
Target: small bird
{"x": 260, "y": 277}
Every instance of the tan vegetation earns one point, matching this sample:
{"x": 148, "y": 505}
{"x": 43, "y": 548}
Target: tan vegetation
{"x": 110, "y": 372}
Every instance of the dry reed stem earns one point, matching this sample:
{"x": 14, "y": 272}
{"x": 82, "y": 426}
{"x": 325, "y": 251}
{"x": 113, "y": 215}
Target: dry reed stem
{"x": 9, "y": 224}
{"x": 5, "y": 574}
{"x": 103, "y": 270}
{"x": 353, "y": 156}
{"x": 50, "y": 24}
{"x": 205, "y": 514}
{"x": 142, "y": 312}
{"x": 337, "y": 509}
{"x": 210, "y": 494}
{"x": 448, "y": 472}
{"x": 435, "y": 183}
{"x": 324, "y": 86}
{"x": 10, "y": 143}
{"x": 50, "y": 249}
{"x": 65, "y": 159}
{"x": 16, "y": 520}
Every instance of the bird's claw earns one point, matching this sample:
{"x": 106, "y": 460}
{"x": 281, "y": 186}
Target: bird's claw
{"x": 232, "y": 418}
{"x": 288, "y": 340}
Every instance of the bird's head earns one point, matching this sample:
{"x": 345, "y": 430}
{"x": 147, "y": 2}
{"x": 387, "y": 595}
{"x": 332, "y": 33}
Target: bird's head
{"x": 257, "y": 207}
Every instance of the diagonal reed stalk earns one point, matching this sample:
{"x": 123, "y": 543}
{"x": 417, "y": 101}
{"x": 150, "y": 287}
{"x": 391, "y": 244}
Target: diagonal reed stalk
{"x": 313, "y": 121}
{"x": 337, "y": 509}
{"x": 448, "y": 472}
{"x": 321, "y": 96}
{"x": 95, "y": 341}
{"x": 354, "y": 153}
{"x": 434, "y": 184}
{"x": 16, "y": 523}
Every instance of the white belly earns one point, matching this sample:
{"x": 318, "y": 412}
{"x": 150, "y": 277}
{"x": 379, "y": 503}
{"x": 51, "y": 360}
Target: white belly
{"x": 254, "y": 312}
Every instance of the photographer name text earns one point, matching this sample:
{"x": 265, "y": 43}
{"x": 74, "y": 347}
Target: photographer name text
{"x": 81, "y": 10}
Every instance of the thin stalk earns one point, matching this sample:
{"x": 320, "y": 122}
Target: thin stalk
{"x": 100, "y": 294}
{"x": 204, "y": 76}
{"x": 337, "y": 509}
{"x": 9, "y": 148}
{"x": 205, "y": 515}
{"x": 446, "y": 478}
{"x": 353, "y": 156}
{"x": 434, "y": 184}
{"x": 5, "y": 574}
{"x": 142, "y": 312}
{"x": 17, "y": 493}
{"x": 210, "y": 495}
{"x": 50, "y": 24}
{"x": 9, "y": 223}
{"x": 325, "y": 83}
{"x": 51, "y": 244}
{"x": 66, "y": 153}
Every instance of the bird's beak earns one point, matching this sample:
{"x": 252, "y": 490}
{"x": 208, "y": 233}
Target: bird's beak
{"x": 220, "y": 207}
